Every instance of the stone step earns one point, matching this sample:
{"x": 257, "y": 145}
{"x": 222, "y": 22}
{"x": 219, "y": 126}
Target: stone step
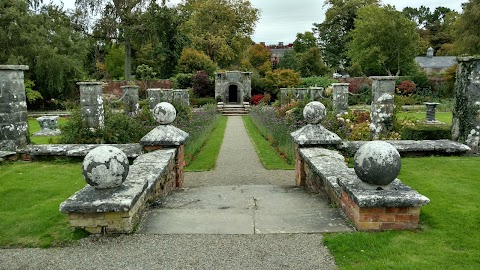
{"x": 247, "y": 209}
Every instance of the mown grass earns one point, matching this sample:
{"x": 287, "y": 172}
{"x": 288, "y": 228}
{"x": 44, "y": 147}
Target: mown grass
{"x": 267, "y": 154}
{"x": 206, "y": 158}
{"x": 30, "y": 195}
{"x": 445, "y": 117}
{"x": 449, "y": 238}
{"x": 34, "y": 126}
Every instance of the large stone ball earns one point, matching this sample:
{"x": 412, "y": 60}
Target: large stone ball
{"x": 164, "y": 113}
{"x": 105, "y": 167}
{"x": 314, "y": 112}
{"x": 377, "y": 163}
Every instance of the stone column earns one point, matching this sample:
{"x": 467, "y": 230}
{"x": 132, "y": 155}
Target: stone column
{"x": 466, "y": 112}
{"x": 92, "y": 103}
{"x": 130, "y": 99}
{"x": 431, "y": 110}
{"x": 13, "y": 108}
{"x": 383, "y": 105}
{"x": 340, "y": 97}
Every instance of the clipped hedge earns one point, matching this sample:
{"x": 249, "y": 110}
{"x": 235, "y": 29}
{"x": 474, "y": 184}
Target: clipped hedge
{"x": 426, "y": 132}
{"x": 198, "y": 102}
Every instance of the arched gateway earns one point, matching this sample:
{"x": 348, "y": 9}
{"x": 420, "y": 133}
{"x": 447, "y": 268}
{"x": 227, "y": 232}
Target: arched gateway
{"x": 233, "y": 87}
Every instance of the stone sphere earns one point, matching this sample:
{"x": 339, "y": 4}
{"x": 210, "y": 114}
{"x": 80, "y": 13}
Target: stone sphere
{"x": 314, "y": 112}
{"x": 105, "y": 167}
{"x": 164, "y": 113}
{"x": 377, "y": 163}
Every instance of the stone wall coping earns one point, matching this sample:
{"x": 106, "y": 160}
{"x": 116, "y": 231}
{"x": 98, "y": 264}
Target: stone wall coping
{"x": 166, "y": 135}
{"x": 340, "y": 84}
{"x": 76, "y": 150}
{"x": 14, "y": 67}
{"x": 397, "y": 194}
{"x": 129, "y": 86}
{"x": 89, "y": 83}
{"x": 4, "y": 154}
{"x": 411, "y": 146}
{"x": 383, "y": 78}
{"x": 468, "y": 58}
{"x": 124, "y": 197}
{"x": 315, "y": 135}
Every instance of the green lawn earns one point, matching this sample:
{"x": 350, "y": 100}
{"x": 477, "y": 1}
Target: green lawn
{"x": 445, "y": 117}
{"x": 206, "y": 159}
{"x": 35, "y": 126}
{"x": 30, "y": 195}
{"x": 267, "y": 154}
{"x": 450, "y": 235}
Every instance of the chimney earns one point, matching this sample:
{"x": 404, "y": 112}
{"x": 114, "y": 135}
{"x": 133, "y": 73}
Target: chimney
{"x": 430, "y": 52}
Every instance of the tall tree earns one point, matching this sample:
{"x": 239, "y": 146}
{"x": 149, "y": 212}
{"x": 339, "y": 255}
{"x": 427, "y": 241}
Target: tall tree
{"x": 333, "y": 31}
{"x": 383, "y": 42}
{"x": 118, "y": 21}
{"x": 220, "y": 28}
{"x": 311, "y": 63}
{"x": 304, "y": 41}
{"x": 467, "y": 29}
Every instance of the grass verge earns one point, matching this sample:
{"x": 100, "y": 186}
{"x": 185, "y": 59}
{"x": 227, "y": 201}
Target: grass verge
{"x": 445, "y": 117}
{"x": 449, "y": 238}
{"x": 206, "y": 158}
{"x": 30, "y": 195}
{"x": 267, "y": 154}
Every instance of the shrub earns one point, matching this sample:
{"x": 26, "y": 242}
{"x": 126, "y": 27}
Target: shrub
{"x": 202, "y": 86}
{"x": 183, "y": 80}
{"x": 279, "y": 78}
{"x": 256, "y": 99}
{"x": 406, "y": 88}
{"x": 422, "y": 131}
{"x": 363, "y": 95}
{"x": 192, "y": 61}
{"x": 317, "y": 81}
{"x": 198, "y": 102}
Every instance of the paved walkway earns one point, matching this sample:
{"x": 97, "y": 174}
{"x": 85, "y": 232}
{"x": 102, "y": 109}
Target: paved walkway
{"x": 239, "y": 184}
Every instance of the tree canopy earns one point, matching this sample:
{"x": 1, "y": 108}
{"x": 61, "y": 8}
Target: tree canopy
{"x": 383, "y": 42}
{"x": 467, "y": 29}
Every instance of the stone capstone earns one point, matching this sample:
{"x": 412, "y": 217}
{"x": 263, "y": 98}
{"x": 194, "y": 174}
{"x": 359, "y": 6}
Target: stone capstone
{"x": 105, "y": 167}
{"x": 132, "y": 150}
{"x": 164, "y": 135}
{"x": 377, "y": 163}
{"x": 164, "y": 113}
{"x": 425, "y": 147}
{"x": 314, "y": 112}
{"x": 315, "y": 135}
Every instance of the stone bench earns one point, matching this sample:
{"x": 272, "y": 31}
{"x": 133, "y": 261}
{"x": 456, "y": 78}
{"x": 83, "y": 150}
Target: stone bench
{"x": 118, "y": 210}
{"x": 424, "y": 147}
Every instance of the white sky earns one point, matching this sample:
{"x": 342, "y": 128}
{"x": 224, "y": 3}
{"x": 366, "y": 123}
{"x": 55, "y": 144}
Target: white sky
{"x": 281, "y": 20}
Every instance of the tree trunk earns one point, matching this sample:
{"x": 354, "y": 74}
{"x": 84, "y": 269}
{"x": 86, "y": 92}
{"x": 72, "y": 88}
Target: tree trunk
{"x": 128, "y": 57}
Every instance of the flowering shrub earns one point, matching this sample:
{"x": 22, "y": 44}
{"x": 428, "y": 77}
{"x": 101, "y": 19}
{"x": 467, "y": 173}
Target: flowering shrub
{"x": 256, "y": 99}
{"x": 406, "y": 88}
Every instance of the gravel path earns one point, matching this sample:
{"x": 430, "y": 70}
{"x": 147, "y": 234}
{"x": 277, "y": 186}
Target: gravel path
{"x": 238, "y": 164}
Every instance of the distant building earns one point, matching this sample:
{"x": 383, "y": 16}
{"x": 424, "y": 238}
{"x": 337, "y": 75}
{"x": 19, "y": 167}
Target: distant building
{"x": 435, "y": 64}
{"x": 278, "y": 51}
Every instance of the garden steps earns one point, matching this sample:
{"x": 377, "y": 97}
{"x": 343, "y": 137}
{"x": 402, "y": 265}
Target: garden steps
{"x": 233, "y": 109}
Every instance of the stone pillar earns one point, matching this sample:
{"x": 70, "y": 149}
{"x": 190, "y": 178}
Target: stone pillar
{"x": 130, "y": 99}
{"x": 92, "y": 103}
{"x": 466, "y": 112}
{"x": 431, "y": 110}
{"x": 167, "y": 136}
{"x": 13, "y": 108}
{"x": 340, "y": 97}
{"x": 383, "y": 105}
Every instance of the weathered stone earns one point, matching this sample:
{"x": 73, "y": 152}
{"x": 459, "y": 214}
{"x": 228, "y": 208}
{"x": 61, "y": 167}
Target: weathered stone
{"x": 77, "y": 150}
{"x": 92, "y": 103}
{"x": 383, "y": 106}
{"x": 466, "y": 113}
{"x": 105, "y": 167}
{"x": 431, "y": 110}
{"x": 340, "y": 97}
{"x": 314, "y": 112}
{"x": 164, "y": 135}
{"x": 164, "y": 113}
{"x": 233, "y": 86}
{"x": 13, "y": 108}
{"x": 130, "y": 99}
{"x": 315, "y": 135}
{"x": 292, "y": 94}
{"x": 377, "y": 163}
{"x": 48, "y": 125}
{"x": 427, "y": 147}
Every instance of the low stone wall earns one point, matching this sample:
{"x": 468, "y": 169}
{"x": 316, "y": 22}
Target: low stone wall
{"x": 118, "y": 210}
{"x": 416, "y": 148}
{"x": 396, "y": 207}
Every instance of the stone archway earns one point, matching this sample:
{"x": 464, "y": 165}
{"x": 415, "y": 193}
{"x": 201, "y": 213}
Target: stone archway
{"x": 233, "y": 94}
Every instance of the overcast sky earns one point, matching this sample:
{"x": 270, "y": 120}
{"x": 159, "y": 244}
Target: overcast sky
{"x": 281, "y": 20}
